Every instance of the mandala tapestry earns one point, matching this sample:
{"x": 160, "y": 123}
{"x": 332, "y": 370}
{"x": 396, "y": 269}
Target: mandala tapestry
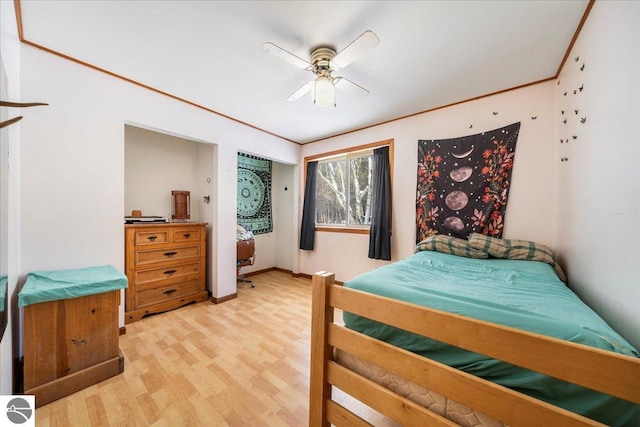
{"x": 463, "y": 183}
{"x": 254, "y": 193}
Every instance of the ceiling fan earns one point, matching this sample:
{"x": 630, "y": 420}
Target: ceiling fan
{"x": 324, "y": 61}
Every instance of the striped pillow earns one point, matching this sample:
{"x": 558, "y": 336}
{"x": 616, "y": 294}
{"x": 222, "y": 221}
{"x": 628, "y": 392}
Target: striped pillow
{"x": 515, "y": 249}
{"x": 450, "y": 245}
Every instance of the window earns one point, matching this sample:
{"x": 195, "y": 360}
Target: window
{"x": 343, "y": 190}
{"x": 343, "y": 194}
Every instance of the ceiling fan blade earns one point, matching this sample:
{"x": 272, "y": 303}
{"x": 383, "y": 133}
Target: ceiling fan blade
{"x": 287, "y": 56}
{"x": 350, "y": 87}
{"x": 365, "y": 42}
{"x": 300, "y": 92}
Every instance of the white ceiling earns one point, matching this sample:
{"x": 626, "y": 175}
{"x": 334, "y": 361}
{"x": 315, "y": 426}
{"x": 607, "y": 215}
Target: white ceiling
{"x": 431, "y": 53}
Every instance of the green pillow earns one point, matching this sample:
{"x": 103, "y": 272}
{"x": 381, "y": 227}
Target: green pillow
{"x": 515, "y": 249}
{"x": 450, "y": 245}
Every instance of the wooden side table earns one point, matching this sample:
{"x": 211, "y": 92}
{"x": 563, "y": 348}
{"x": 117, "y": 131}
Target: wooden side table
{"x": 71, "y": 333}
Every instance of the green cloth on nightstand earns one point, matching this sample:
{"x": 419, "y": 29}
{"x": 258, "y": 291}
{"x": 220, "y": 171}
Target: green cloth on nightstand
{"x": 43, "y": 286}
{"x": 3, "y": 289}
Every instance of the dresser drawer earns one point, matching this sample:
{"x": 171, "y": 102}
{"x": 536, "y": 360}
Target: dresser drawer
{"x": 165, "y": 273}
{"x": 165, "y": 293}
{"x": 150, "y": 256}
{"x": 151, "y": 237}
{"x": 186, "y": 234}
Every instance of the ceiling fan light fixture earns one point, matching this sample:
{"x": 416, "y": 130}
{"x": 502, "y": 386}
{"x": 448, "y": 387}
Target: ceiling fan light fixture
{"x": 324, "y": 61}
{"x": 324, "y": 92}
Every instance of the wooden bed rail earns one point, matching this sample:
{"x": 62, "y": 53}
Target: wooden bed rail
{"x": 604, "y": 371}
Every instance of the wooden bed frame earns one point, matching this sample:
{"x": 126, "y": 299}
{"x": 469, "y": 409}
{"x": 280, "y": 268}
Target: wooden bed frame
{"x": 605, "y": 371}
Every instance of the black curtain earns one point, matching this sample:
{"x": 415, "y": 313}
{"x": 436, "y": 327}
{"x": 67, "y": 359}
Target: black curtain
{"x": 380, "y": 230}
{"x": 308, "y": 227}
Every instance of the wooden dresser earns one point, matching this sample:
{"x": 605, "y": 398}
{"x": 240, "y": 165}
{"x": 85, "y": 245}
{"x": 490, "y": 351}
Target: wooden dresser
{"x": 165, "y": 265}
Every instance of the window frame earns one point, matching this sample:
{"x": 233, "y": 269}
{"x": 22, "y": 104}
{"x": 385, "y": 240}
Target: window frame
{"x": 353, "y": 151}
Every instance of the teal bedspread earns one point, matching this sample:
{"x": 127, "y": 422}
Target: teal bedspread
{"x": 522, "y": 294}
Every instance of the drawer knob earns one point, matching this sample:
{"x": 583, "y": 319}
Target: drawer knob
{"x": 152, "y": 238}
{"x": 169, "y": 291}
{"x": 169, "y": 254}
{"x": 186, "y": 235}
{"x": 169, "y": 272}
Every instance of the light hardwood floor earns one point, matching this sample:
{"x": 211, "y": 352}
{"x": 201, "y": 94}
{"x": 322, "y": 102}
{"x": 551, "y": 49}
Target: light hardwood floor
{"x": 244, "y": 362}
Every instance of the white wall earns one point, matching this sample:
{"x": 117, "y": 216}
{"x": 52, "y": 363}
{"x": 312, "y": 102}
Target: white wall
{"x": 156, "y": 164}
{"x": 72, "y": 177}
{"x": 206, "y": 182}
{"x": 10, "y": 56}
{"x": 282, "y": 193}
{"x": 529, "y": 214}
{"x": 598, "y": 188}
{"x": 5, "y": 330}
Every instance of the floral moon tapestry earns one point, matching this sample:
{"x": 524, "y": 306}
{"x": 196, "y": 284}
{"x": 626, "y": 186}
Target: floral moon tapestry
{"x": 254, "y": 193}
{"x": 463, "y": 183}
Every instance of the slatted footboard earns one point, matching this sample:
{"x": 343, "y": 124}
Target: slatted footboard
{"x": 604, "y": 371}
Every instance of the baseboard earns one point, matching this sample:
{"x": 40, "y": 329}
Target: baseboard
{"x": 282, "y": 270}
{"x": 122, "y": 330}
{"x": 253, "y": 273}
{"x": 220, "y": 300}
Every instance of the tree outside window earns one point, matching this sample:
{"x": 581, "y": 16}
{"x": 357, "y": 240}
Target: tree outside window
{"x": 343, "y": 190}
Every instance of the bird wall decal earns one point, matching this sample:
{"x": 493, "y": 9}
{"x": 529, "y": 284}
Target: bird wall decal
{"x": 17, "y": 105}
{"x": 10, "y": 121}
